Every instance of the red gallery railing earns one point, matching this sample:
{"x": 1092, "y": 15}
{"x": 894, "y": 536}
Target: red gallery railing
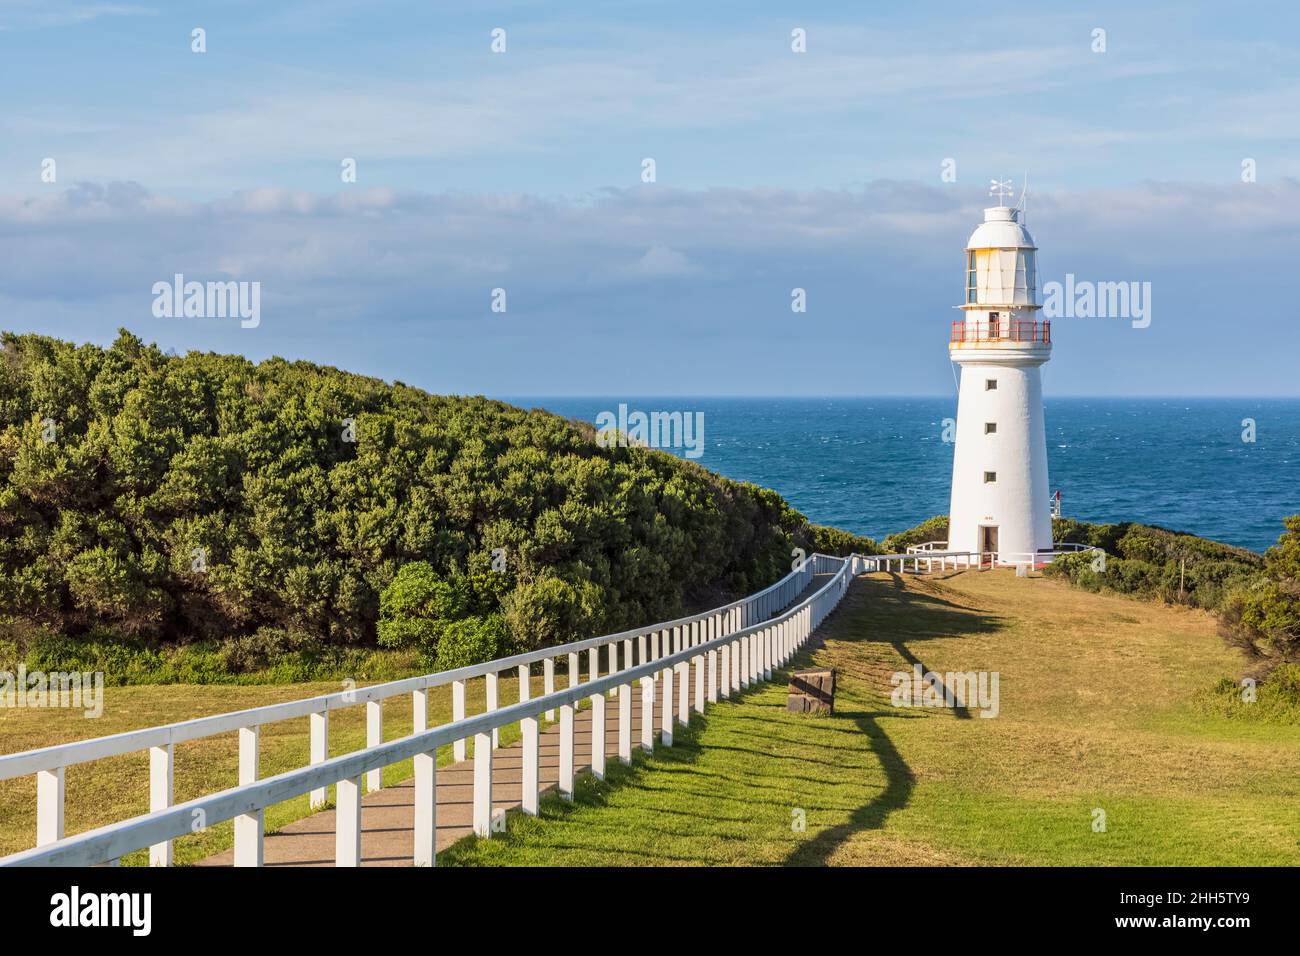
{"x": 1017, "y": 331}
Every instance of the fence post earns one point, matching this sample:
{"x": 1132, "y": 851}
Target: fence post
{"x": 713, "y": 677}
{"x": 483, "y": 785}
{"x": 647, "y": 713}
{"x": 742, "y": 646}
{"x": 548, "y": 683}
{"x": 161, "y": 767}
{"x": 593, "y": 664}
{"x": 598, "y": 736}
{"x": 426, "y": 808}
{"x": 566, "y": 751}
{"x": 726, "y": 670}
{"x": 683, "y": 692}
{"x": 458, "y": 714}
{"x": 320, "y": 751}
{"x": 426, "y": 786}
{"x": 641, "y": 649}
{"x": 347, "y": 823}
{"x": 768, "y": 640}
{"x": 625, "y": 724}
{"x": 248, "y": 826}
{"x": 492, "y": 700}
{"x": 374, "y": 737}
{"x": 699, "y": 662}
{"x": 528, "y": 795}
{"x": 575, "y": 670}
{"x": 49, "y": 806}
{"x": 419, "y": 710}
{"x": 666, "y": 732}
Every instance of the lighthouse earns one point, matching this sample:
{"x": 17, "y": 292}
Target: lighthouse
{"x": 1000, "y": 504}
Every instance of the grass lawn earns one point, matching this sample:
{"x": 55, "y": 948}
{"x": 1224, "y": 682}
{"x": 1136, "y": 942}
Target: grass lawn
{"x": 1097, "y": 713}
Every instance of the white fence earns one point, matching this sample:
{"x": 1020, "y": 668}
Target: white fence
{"x": 931, "y": 550}
{"x": 728, "y": 647}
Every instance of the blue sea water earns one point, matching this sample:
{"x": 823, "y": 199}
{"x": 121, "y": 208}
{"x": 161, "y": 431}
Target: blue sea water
{"x": 878, "y": 465}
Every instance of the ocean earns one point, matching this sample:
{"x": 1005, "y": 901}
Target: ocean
{"x": 879, "y": 465}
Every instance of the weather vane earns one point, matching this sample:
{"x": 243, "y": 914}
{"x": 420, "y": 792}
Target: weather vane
{"x": 1000, "y": 188}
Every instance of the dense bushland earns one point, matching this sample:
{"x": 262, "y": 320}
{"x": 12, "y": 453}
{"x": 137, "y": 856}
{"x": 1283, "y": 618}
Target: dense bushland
{"x": 288, "y": 509}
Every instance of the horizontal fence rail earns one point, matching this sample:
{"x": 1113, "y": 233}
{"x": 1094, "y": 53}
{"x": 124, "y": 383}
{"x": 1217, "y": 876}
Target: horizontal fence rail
{"x": 728, "y": 648}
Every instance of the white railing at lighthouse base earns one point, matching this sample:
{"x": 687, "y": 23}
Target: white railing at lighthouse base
{"x": 996, "y": 559}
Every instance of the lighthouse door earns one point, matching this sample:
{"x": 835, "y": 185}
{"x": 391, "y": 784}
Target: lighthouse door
{"x": 988, "y": 543}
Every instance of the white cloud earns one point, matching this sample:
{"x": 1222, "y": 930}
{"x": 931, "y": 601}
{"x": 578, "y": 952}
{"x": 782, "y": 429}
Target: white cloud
{"x": 405, "y": 277}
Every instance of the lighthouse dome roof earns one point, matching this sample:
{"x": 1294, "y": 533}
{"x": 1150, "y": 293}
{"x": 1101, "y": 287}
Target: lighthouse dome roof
{"x": 1001, "y": 229}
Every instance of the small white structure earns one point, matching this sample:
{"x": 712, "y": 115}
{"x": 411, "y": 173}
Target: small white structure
{"x": 1000, "y": 504}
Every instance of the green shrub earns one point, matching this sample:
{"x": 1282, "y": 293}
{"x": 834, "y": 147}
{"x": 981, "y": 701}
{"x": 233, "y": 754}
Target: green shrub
{"x": 1277, "y": 698}
{"x": 932, "y": 529}
{"x": 470, "y": 640}
{"x": 827, "y": 540}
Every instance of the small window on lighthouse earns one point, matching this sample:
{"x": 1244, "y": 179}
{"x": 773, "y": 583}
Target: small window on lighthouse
{"x": 990, "y": 428}
{"x": 990, "y": 477}
{"x": 990, "y": 384}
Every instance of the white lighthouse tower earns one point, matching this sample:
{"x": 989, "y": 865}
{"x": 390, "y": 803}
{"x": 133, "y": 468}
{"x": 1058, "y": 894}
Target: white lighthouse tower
{"x": 1000, "y": 505}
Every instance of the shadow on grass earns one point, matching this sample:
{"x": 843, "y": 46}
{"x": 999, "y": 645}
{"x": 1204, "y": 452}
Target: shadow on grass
{"x": 876, "y": 610}
{"x": 906, "y": 616}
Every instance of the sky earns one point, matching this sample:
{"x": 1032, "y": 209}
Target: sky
{"x": 1160, "y": 143}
